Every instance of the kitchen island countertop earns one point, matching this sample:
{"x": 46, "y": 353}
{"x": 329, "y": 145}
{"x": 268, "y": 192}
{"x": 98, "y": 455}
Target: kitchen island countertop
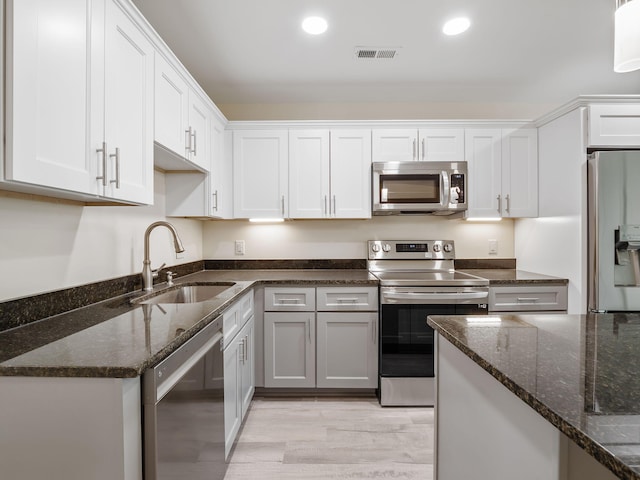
{"x": 579, "y": 372}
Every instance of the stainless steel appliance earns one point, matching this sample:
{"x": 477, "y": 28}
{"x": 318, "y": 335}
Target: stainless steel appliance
{"x": 184, "y": 411}
{"x": 614, "y": 230}
{"x": 417, "y": 279}
{"x": 438, "y": 188}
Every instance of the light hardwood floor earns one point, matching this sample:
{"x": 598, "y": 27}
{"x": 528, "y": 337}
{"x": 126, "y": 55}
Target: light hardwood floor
{"x": 333, "y": 438}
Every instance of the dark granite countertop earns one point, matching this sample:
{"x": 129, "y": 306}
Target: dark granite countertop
{"x": 115, "y": 338}
{"x": 508, "y": 276}
{"x": 580, "y": 372}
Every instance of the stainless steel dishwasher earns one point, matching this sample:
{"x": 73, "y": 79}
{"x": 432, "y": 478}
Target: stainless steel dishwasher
{"x": 184, "y": 411}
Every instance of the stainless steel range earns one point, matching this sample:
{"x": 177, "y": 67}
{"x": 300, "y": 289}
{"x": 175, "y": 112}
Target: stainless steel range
{"x": 417, "y": 279}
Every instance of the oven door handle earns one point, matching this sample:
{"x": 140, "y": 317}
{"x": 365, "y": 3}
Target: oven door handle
{"x": 430, "y": 297}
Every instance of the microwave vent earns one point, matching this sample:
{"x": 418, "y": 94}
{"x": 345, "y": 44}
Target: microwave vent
{"x": 374, "y": 53}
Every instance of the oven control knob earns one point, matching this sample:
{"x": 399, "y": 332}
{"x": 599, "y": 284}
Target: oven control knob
{"x": 375, "y": 247}
{"x": 448, "y": 247}
{"x": 386, "y": 247}
{"x": 436, "y": 247}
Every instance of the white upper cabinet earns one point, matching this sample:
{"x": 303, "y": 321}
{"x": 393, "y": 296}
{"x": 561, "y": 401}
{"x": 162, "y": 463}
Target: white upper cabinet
{"x": 309, "y": 155}
{"x": 128, "y": 109}
{"x": 425, "y": 144}
{"x": 47, "y": 141}
{"x": 614, "y": 125}
{"x": 260, "y": 174}
{"x": 79, "y": 78}
{"x": 171, "y": 108}
{"x": 503, "y": 173}
{"x": 329, "y": 174}
{"x": 182, "y": 120}
{"x": 351, "y": 173}
{"x": 520, "y": 172}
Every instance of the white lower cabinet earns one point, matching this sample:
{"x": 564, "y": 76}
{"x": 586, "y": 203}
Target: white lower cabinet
{"x": 289, "y": 349}
{"x": 335, "y": 347}
{"x": 347, "y": 350}
{"x": 239, "y": 367}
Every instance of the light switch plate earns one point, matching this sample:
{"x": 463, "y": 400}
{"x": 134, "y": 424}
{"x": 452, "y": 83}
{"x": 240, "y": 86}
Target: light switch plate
{"x": 239, "y": 247}
{"x": 493, "y": 246}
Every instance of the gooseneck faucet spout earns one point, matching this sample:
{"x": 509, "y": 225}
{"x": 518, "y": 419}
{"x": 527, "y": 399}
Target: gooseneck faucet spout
{"x": 147, "y": 273}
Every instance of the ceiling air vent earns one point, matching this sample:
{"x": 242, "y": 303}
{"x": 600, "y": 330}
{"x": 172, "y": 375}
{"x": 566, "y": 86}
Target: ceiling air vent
{"x": 371, "y": 53}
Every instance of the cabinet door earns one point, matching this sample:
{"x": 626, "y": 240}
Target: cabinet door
{"x": 247, "y": 374}
{"x": 441, "y": 144}
{"x": 171, "y": 107}
{"x": 220, "y": 178}
{"x": 395, "y": 145}
{"x": 289, "y": 349}
{"x": 200, "y": 132}
{"x": 260, "y": 171}
{"x": 128, "y": 108}
{"x": 350, "y": 174}
{"x": 483, "y": 153}
{"x": 614, "y": 125}
{"x": 520, "y": 173}
{"x": 309, "y": 174}
{"x": 47, "y": 95}
{"x": 347, "y": 350}
{"x": 232, "y": 406}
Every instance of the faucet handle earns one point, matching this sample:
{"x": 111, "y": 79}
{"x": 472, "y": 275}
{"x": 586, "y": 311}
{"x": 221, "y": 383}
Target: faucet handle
{"x": 157, "y": 270}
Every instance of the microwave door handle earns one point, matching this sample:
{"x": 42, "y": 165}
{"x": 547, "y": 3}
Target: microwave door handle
{"x": 446, "y": 190}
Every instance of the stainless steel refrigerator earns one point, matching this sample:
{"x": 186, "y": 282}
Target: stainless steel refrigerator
{"x": 614, "y": 230}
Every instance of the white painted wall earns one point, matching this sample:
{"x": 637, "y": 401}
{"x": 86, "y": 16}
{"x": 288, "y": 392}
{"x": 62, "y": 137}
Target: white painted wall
{"x": 325, "y": 239}
{"x": 556, "y": 242}
{"x": 48, "y": 244}
{"x": 385, "y": 110}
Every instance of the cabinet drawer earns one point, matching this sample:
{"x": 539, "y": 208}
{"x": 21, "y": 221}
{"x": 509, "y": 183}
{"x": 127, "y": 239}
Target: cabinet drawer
{"x": 290, "y": 299}
{"x": 234, "y": 317}
{"x": 340, "y": 299}
{"x": 528, "y": 298}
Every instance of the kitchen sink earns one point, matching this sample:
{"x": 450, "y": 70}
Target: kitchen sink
{"x": 186, "y": 293}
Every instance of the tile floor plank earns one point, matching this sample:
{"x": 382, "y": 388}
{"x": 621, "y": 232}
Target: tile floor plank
{"x": 333, "y": 439}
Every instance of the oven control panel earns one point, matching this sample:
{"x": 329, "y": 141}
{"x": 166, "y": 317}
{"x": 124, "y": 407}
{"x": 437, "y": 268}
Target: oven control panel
{"x": 411, "y": 249}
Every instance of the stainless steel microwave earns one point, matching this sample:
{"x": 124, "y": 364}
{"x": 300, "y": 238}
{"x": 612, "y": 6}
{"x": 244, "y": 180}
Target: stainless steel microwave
{"x": 401, "y": 188}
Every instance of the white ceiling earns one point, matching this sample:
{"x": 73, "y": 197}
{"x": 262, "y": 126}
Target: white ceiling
{"x": 534, "y": 51}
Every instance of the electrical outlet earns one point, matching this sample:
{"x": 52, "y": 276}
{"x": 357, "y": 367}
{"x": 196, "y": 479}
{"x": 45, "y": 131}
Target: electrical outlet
{"x": 239, "y": 247}
{"x": 493, "y": 247}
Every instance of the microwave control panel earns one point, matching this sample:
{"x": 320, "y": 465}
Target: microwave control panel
{"x": 457, "y": 182}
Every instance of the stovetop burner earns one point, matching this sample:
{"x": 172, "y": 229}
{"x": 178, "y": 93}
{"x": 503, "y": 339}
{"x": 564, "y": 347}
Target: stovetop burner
{"x": 417, "y": 263}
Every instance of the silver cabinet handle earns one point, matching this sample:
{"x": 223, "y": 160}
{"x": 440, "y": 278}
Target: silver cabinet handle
{"x": 373, "y": 332}
{"x": 188, "y": 140}
{"x": 346, "y": 300}
{"x": 326, "y": 212}
{"x": 499, "y": 204}
{"x": 414, "y": 148}
{"x": 423, "y": 149}
{"x": 528, "y": 300}
{"x": 283, "y": 205}
{"x": 215, "y": 200}
{"x": 508, "y": 203}
{"x": 246, "y": 349}
{"x": 242, "y": 351}
{"x": 103, "y": 177}
{"x": 334, "y": 204}
{"x": 117, "y": 157}
{"x": 290, "y": 301}
{"x": 309, "y": 327}
{"x": 195, "y": 142}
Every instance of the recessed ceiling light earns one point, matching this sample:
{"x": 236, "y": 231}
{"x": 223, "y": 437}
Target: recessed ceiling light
{"x": 456, "y": 26}
{"x": 314, "y": 25}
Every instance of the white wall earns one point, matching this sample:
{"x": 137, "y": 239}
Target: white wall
{"x": 385, "y": 110}
{"x": 48, "y": 244}
{"x": 326, "y": 239}
{"x": 555, "y": 243}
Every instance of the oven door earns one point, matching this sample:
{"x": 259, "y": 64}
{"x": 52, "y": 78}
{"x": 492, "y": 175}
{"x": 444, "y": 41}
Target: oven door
{"x": 406, "y": 341}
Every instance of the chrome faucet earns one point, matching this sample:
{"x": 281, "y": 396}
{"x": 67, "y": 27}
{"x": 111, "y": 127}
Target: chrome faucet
{"x": 147, "y": 273}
